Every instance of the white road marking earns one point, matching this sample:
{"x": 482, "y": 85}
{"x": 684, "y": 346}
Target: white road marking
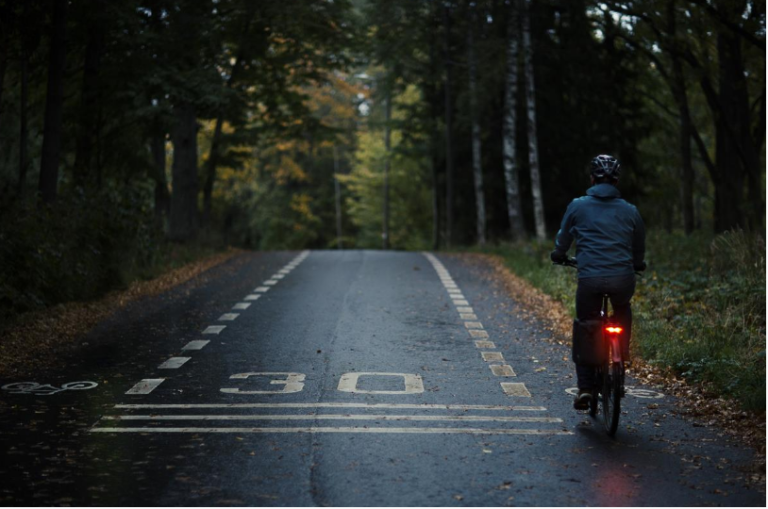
{"x": 318, "y": 429}
{"x": 292, "y": 382}
{"x": 515, "y": 389}
{"x": 228, "y": 317}
{"x": 261, "y": 289}
{"x": 145, "y": 386}
{"x": 502, "y": 370}
{"x": 243, "y": 305}
{"x": 174, "y": 363}
{"x": 492, "y": 356}
{"x": 196, "y": 344}
{"x": 330, "y": 417}
{"x": 454, "y": 290}
{"x": 398, "y": 406}
{"x": 465, "y": 310}
{"x": 478, "y": 333}
{"x": 473, "y": 325}
{"x": 214, "y": 329}
{"x": 490, "y": 345}
{"x": 413, "y": 383}
{"x": 270, "y": 282}
{"x": 461, "y": 302}
{"x": 252, "y": 296}
{"x": 468, "y": 316}
{"x": 457, "y": 296}
{"x": 277, "y": 276}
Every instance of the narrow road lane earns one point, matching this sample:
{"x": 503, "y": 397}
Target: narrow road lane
{"x": 343, "y": 378}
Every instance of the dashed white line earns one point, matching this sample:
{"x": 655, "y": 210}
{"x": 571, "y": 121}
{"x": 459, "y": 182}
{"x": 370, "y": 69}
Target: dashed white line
{"x": 461, "y": 302}
{"x": 278, "y": 276}
{"x": 196, "y": 344}
{"x": 214, "y": 329}
{"x": 174, "y": 363}
{"x": 473, "y": 325}
{"x": 228, "y": 317}
{"x": 270, "y": 282}
{"x": 261, "y": 289}
{"x": 492, "y": 356}
{"x": 502, "y": 370}
{"x": 145, "y": 386}
{"x": 243, "y": 305}
{"x": 468, "y": 316}
{"x": 475, "y": 333}
{"x": 515, "y": 389}
{"x": 465, "y": 310}
{"x": 489, "y": 345}
{"x": 252, "y": 296}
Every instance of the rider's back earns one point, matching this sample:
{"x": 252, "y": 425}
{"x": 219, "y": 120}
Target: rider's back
{"x": 608, "y": 231}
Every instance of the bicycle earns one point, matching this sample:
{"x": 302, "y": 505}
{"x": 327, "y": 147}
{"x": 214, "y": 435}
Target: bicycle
{"x": 609, "y": 374}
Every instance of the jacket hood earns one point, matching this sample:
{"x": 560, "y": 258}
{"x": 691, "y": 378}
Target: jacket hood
{"x": 604, "y": 191}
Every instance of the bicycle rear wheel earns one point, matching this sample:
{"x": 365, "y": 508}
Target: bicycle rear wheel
{"x": 611, "y": 397}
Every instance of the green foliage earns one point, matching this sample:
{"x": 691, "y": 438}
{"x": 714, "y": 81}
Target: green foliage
{"x": 409, "y": 194}
{"x": 79, "y": 248}
{"x": 700, "y": 309}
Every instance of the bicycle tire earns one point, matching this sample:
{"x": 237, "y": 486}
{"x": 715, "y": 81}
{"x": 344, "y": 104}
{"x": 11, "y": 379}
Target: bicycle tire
{"x": 611, "y": 398}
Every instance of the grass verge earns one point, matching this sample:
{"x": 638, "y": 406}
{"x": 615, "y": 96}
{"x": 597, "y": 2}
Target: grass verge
{"x": 699, "y": 311}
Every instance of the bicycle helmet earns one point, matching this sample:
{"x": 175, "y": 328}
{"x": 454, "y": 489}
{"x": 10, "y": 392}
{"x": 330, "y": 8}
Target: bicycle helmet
{"x": 605, "y": 166}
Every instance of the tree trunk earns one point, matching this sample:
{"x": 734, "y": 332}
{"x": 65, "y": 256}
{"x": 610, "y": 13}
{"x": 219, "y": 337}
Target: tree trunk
{"x": 213, "y": 157}
{"x": 533, "y": 146}
{"x": 387, "y": 158}
{"x": 432, "y": 95}
{"x": 477, "y": 169}
{"x": 54, "y": 102}
{"x": 23, "y": 142}
{"x": 511, "y": 176}
{"x": 3, "y": 66}
{"x": 681, "y": 98}
{"x": 89, "y": 99}
{"x": 729, "y": 192}
{"x": 210, "y": 169}
{"x": 162, "y": 196}
{"x": 184, "y": 214}
{"x": 337, "y": 197}
{"x": 448, "y": 128}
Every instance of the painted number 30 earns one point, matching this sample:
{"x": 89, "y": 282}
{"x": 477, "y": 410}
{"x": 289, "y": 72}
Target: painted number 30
{"x": 294, "y": 382}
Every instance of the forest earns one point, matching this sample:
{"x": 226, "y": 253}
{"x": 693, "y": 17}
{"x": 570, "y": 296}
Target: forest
{"x": 136, "y": 132}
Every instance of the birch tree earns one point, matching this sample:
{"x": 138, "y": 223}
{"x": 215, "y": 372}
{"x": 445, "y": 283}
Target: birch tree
{"x": 477, "y": 169}
{"x": 511, "y": 177}
{"x": 533, "y": 148}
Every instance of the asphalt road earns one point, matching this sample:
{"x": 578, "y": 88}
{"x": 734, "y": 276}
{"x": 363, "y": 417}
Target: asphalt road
{"x": 342, "y": 378}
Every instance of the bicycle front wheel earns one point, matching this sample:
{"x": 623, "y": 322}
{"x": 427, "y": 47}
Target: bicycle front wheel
{"x": 611, "y": 397}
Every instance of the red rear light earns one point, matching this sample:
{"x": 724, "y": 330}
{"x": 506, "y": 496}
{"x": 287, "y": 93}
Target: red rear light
{"x": 613, "y": 330}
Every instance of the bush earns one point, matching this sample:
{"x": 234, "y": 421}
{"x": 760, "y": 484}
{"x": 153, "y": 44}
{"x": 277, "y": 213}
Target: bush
{"x": 700, "y": 309}
{"x": 76, "y": 249}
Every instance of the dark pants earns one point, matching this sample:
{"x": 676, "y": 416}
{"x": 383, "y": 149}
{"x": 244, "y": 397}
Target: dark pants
{"x": 589, "y": 300}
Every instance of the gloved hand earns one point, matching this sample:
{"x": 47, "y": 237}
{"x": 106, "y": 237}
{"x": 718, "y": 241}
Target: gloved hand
{"x": 640, "y": 267}
{"x": 558, "y": 257}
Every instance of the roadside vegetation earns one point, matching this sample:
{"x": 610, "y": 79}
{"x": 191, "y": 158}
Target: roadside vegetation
{"x": 699, "y": 309}
{"x": 80, "y": 251}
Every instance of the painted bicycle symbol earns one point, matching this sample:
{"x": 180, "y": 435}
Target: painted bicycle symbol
{"x": 631, "y": 391}
{"x": 46, "y": 389}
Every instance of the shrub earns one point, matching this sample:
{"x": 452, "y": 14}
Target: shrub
{"x": 700, "y": 309}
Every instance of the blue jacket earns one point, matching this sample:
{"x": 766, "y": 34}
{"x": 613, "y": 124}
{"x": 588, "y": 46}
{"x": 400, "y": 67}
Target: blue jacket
{"x": 609, "y": 233}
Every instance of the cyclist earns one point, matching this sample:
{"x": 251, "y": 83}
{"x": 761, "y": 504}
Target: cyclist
{"x": 610, "y": 247}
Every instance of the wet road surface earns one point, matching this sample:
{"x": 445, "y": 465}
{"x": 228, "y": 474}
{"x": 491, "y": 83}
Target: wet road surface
{"x": 341, "y": 378}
